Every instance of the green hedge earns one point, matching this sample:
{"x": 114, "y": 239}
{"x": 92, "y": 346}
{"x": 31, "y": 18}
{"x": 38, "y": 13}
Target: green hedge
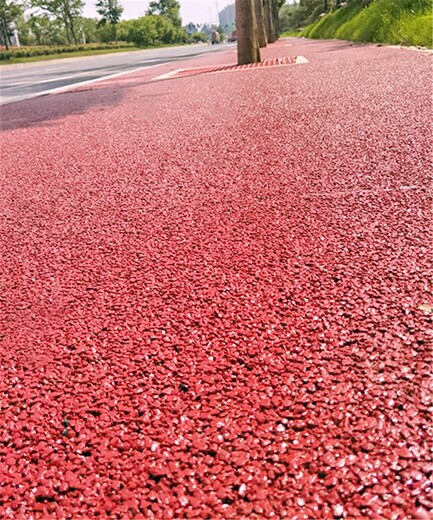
{"x": 43, "y": 50}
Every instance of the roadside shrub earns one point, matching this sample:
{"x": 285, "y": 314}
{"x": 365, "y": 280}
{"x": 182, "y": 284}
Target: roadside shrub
{"x": 45, "y": 50}
{"x": 326, "y": 26}
{"x": 199, "y": 37}
{"x": 151, "y": 30}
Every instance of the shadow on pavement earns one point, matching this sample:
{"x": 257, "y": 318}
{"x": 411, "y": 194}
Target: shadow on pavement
{"x": 44, "y": 110}
{"x": 343, "y": 45}
{"x": 340, "y": 45}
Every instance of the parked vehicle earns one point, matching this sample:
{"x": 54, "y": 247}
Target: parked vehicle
{"x": 233, "y": 37}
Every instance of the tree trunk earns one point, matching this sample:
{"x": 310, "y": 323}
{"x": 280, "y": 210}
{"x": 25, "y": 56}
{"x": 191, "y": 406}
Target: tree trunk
{"x": 276, "y": 12}
{"x": 270, "y": 21}
{"x": 68, "y": 29}
{"x": 246, "y": 26}
{"x": 72, "y": 29}
{"x": 5, "y": 33}
{"x": 260, "y": 17}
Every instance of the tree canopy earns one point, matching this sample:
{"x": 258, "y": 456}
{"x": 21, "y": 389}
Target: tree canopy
{"x": 61, "y": 22}
{"x": 69, "y": 11}
{"x": 169, "y": 9}
{"x": 110, "y": 12}
{"x": 10, "y": 11}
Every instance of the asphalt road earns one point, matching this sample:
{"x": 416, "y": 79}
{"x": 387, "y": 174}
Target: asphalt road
{"x": 24, "y": 81}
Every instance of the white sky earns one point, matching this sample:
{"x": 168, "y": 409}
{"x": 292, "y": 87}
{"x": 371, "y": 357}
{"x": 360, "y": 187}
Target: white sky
{"x": 196, "y": 11}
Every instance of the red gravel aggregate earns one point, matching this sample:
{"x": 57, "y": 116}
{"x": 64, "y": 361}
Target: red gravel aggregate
{"x": 215, "y": 292}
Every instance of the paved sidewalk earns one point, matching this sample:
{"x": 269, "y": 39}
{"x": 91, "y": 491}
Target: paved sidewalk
{"x": 215, "y": 292}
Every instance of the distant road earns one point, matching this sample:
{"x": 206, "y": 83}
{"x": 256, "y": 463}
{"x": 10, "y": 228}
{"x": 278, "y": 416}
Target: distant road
{"x": 27, "y": 80}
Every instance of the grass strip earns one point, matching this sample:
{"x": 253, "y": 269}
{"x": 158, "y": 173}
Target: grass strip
{"x": 397, "y": 22}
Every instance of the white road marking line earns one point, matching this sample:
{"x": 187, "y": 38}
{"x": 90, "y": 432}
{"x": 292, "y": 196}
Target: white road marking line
{"x": 65, "y": 88}
{"x": 169, "y": 74}
{"x": 301, "y": 59}
{"x": 52, "y": 80}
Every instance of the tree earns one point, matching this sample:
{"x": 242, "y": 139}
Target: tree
{"x": 110, "y": 11}
{"x": 151, "y": 30}
{"x": 220, "y": 31}
{"x": 290, "y": 17}
{"x": 303, "y": 13}
{"x": 25, "y": 35}
{"x": 256, "y": 23}
{"x": 141, "y": 31}
{"x": 10, "y": 11}
{"x": 260, "y": 17}
{"x": 271, "y": 12}
{"x": 199, "y": 37}
{"x": 91, "y": 30}
{"x": 47, "y": 31}
{"x": 69, "y": 11}
{"x": 246, "y": 26}
{"x": 169, "y": 9}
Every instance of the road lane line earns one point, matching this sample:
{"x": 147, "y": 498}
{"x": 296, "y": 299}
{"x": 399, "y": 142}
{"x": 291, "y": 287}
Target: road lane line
{"x": 65, "y": 88}
{"x": 52, "y": 80}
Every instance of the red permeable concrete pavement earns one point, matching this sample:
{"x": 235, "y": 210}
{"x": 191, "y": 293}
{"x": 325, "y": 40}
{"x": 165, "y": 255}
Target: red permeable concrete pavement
{"x": 215, "y": 292}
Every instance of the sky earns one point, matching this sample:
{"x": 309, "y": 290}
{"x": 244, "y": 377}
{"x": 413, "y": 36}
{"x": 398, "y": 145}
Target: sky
{"x": 196, "y": 11}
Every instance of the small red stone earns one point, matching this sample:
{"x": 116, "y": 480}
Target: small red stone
{"x": 405, "y": 453}
{"x": 157, "y": 471}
